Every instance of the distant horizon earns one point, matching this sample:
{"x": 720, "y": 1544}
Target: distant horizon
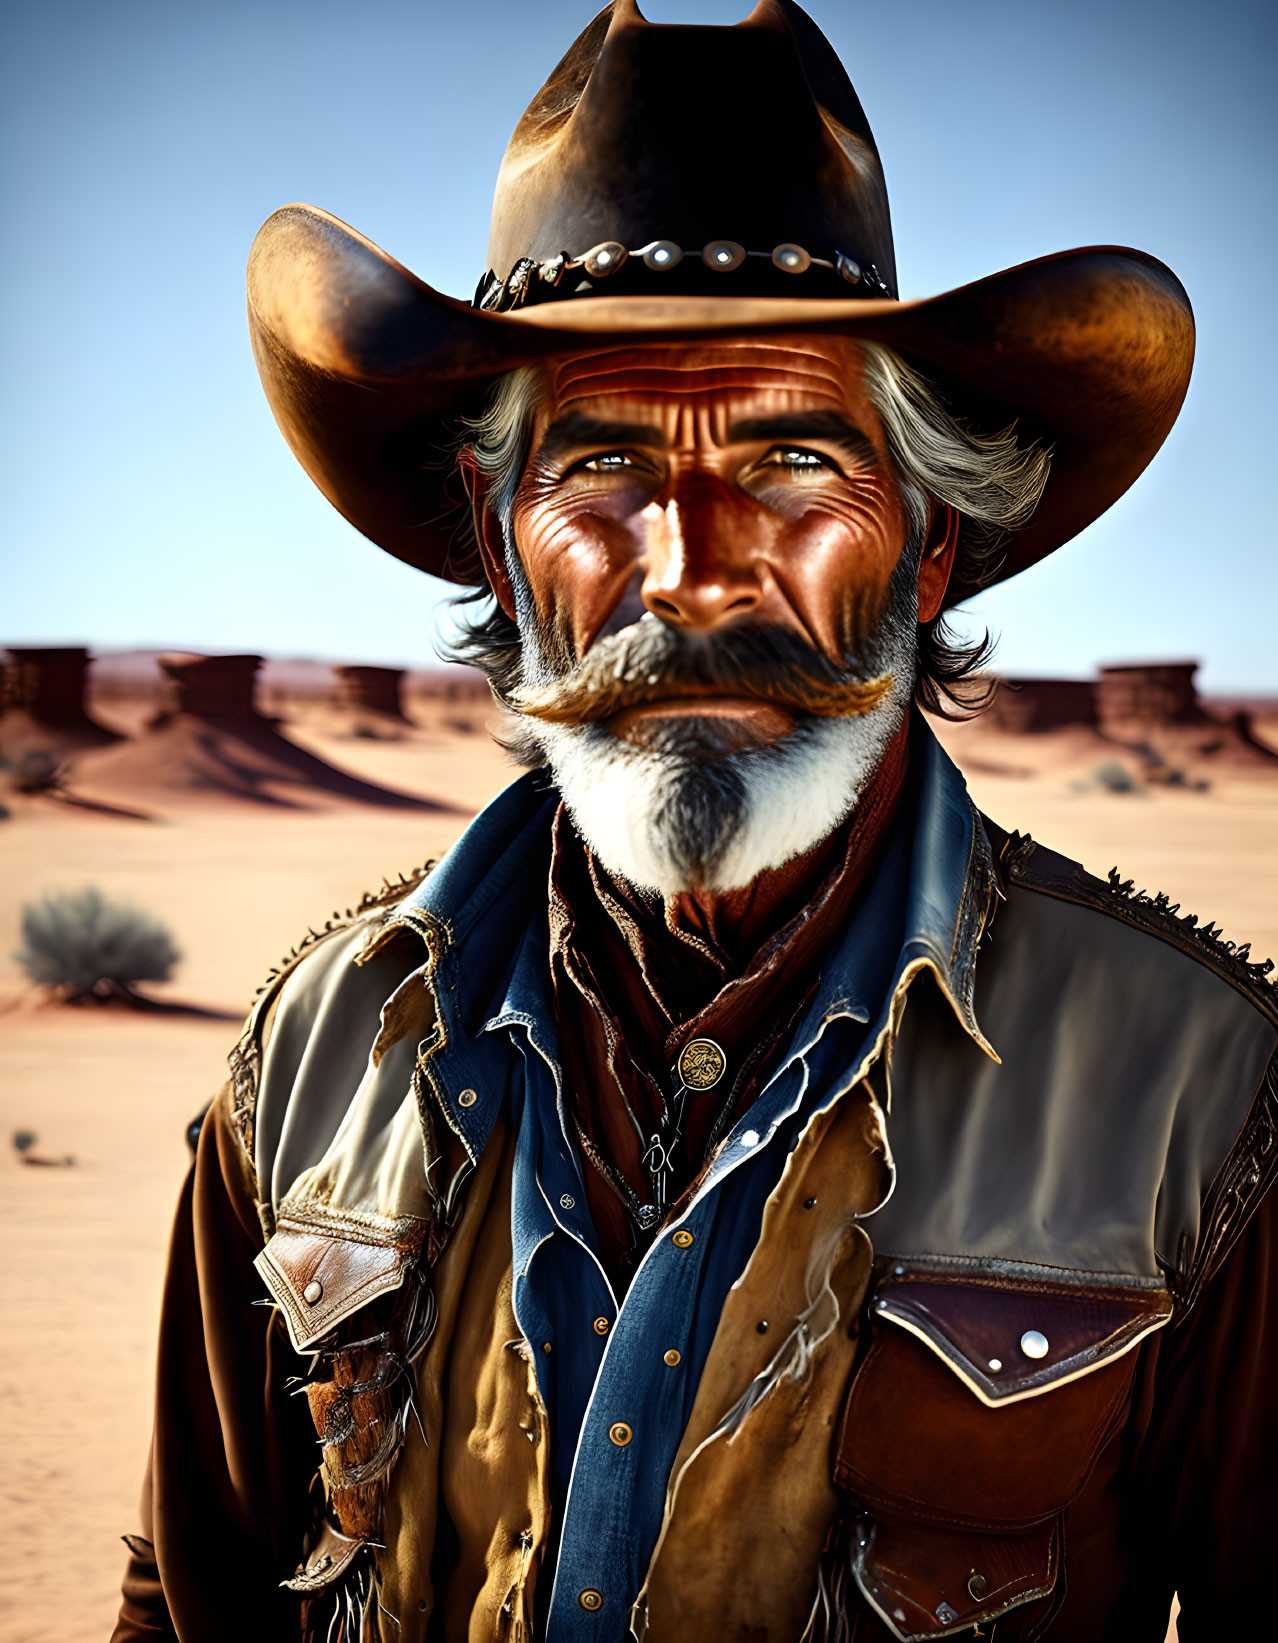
{"x": 1258, "y": 693}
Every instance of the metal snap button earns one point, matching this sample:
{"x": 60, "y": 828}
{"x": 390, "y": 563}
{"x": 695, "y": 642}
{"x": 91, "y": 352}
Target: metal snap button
{"x": 313, "y": 1292}
{"x": 620, "y": 1434}
{"x": 996, "y": 1364}
{"x": 1034, "y": 1344}
{"x": 682, "y": 1239}
{"x": 602, "y": 1326}
{"x": 590, "y": 1599}
{"x": 750, "y": 1138}
{"x": 467, "y": 1098}
{"x": 977, "y": 1585}
{"x": 567, "y": 1201}
{"x": 672, "y": 1357}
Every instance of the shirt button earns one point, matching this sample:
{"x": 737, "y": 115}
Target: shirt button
{"x": 602, "y": 1326}
{"x": 672, "y": 1357}
{"x": 313, "y": 1292}
{"x": 567, "y": 1201}
{"x": 620, "y": 1434}
{"x": 682, "y": 1239}
{"x": 1034, "y": 1344}
{"x": 590, "y": 1599}
{"x": 467, "y": 1098}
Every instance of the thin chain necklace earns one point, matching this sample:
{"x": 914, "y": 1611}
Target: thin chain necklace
{"x": 700, "y": 1065}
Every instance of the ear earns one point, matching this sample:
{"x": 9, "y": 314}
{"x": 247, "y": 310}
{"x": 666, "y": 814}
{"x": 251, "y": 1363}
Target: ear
{"x": 488, "y": 532}
{"x": 937, "y": 559}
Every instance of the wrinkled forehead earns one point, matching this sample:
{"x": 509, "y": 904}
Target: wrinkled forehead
{"x": 734, "y": 375}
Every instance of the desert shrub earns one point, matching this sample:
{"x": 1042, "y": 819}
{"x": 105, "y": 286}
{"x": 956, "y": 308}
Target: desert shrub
{"x": 36, "y": 771}
{"x": 1115, "y": 777}
{"x": 82, "y": 945}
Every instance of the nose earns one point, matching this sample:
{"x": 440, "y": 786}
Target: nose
{"x": 701, "y": 571}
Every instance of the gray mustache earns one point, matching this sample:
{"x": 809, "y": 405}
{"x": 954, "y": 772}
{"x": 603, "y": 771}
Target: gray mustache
{"x": 650, "y": 662}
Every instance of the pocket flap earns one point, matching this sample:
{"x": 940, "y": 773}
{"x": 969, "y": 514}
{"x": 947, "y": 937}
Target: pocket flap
{"x": 321, "y": 1275}
{"x": 985, "y": 1397}
{"x": 926, "y": 1583}
{"x": 326, "y": 1562}
{"x": 1010, "y": 1332}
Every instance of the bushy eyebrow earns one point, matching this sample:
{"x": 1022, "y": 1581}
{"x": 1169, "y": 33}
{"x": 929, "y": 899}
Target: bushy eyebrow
{"x": 827, "y": 426}
{"x": 571, "y": 432}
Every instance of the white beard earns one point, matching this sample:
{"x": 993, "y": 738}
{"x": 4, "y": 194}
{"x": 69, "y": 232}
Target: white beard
{"x": 670, "y": 820}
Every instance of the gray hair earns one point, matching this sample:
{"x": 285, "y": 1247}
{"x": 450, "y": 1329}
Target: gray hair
{"x": 499, "y": 436}
{"x": 992, "y": 478}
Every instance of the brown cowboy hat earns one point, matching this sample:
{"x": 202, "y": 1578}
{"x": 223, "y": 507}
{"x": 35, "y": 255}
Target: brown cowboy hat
{"x": 604, "y": 233}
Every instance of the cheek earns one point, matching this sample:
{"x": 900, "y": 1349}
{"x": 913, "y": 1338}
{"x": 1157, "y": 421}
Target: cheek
{"x": 579, "y": 555}
{"x": 835, "y": 558}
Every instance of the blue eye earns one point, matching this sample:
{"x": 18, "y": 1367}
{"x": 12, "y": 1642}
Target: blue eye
{"x": 784, "y": 456}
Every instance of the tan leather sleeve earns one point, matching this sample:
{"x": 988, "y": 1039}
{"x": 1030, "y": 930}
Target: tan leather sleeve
{"x": 225, "y": 1491}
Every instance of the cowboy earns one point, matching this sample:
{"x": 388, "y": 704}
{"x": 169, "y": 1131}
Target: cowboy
{"x": 740, "y": 1191}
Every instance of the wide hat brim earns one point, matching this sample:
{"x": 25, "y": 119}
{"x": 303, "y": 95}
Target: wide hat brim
{"x": 367, "y": 370}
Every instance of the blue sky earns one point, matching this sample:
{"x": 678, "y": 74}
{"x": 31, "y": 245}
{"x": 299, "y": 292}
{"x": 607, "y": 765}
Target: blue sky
{"x": 148, "y": 499}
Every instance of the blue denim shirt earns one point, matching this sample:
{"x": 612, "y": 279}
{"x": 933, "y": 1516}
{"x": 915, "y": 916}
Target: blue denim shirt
{"x": 617, "y": 1407}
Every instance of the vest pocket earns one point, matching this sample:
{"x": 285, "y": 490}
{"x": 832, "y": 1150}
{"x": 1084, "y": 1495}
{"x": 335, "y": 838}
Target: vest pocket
{"x": 973, "y": 1422}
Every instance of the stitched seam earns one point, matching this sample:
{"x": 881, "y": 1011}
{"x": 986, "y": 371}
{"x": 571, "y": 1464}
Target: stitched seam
{"x": 1239, "y": 1184}
{"x": 357, "y": 1226}
{"x": 1035, "y": 1273}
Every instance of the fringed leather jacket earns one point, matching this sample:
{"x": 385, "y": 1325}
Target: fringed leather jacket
{"x": 993, "y": 1361}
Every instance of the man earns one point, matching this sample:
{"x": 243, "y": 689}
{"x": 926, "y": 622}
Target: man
{"x": 740, "y": 1192}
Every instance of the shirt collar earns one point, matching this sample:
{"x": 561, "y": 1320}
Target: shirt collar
{"x": 482, "y": 915}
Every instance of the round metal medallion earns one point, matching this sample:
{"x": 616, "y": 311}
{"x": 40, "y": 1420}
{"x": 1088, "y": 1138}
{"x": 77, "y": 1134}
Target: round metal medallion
{"x": 723, "y": 256}
{"x": 605, "y": 259}
{"x": 791, "y": 259}
{"x": 701, "y": 1064}
{"x": 663, "y": 254}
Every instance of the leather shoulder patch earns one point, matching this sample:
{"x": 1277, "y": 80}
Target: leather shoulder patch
{"x": 1032, "y": 866}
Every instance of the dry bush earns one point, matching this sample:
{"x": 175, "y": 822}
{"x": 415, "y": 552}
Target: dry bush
{"x": 37, "y": 770}
{"x": 83, "y": 946}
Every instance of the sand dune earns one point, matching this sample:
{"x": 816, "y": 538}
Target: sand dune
{"x": 199, "y": 760}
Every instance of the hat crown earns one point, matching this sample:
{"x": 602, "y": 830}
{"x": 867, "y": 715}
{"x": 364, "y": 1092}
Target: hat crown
{"x": 692, "y": 134}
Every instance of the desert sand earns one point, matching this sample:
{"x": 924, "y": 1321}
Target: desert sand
{"x": 239, "y": 883}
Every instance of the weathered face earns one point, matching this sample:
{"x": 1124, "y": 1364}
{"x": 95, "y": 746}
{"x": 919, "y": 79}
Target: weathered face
{"x": 709, "y": 549}
{"x": 710, "y": 484}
